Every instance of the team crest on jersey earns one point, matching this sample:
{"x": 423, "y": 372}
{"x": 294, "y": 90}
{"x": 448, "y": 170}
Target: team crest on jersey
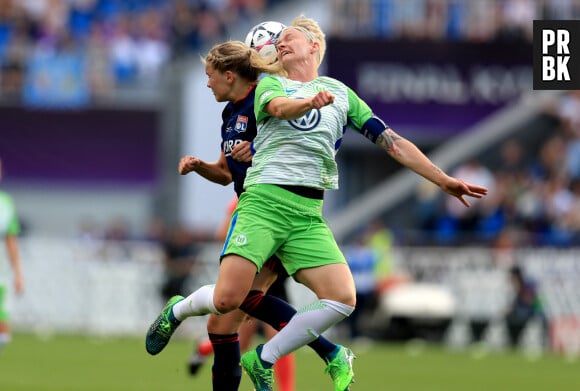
{"x": 307, "y": 122}
{"x": 240, "y": 240}
{"x": 241, "y": 124}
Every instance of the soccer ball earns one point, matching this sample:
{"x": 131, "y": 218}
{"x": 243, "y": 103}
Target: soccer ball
{"x": 263, "y": 37}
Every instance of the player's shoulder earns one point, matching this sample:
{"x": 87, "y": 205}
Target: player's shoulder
{"x": 330, "y": 80}
{"x": 332, "y": 83}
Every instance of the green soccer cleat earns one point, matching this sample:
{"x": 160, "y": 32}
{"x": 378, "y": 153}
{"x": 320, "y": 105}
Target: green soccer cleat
{"x": 262, "y": 378}
{"x": 340, "y": 369}
{"x": 163, "y": 328}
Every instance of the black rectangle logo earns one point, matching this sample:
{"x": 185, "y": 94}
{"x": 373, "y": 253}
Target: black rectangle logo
{"x": 556, "y": 54}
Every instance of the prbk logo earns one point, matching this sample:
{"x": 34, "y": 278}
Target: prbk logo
{"x": 556, "y": 54}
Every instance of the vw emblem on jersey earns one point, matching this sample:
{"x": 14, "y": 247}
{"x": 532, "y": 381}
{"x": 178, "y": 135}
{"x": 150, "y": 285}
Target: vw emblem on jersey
{"x": 241, "y": 123}
{"x": 240, "y": 240}
{"x": 307, "y": 122}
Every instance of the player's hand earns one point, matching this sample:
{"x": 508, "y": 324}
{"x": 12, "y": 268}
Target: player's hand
{"x": 322, "y": 99}
{"x": 188, "y": 164}
{"x": 459, "y": 188}
{"x": 19, "y": 285}
{"x": 242, "y": 152}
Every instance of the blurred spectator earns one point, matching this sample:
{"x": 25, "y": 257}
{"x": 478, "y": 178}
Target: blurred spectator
{"x": 180, "y": 256}
{"x": 9, "y": 230}
{"x": 465, "y": 20}
{"x": 141, "y": 36}
{"x": 123, "y": 51}
{"x": 568, "y": 112}
{"x": 119, "y": 43}
{"x": 362, "y": 260}
{"x": 466, "y": 220}
{"x": 11, "y": 79}
{"x": 524, "y": 307}
{"x": 516, "y": 17}
{"x": 152, "y": 49}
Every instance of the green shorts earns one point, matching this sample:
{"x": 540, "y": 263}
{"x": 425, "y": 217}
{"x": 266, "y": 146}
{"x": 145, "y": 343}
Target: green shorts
{"x": 3, "y": 311}
{"x": 271, "y": 220}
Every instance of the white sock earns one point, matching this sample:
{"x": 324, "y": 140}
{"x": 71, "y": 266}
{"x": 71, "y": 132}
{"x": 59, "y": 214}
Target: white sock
{"x": 198, "y": 303}
{"x": 305, "y": 327}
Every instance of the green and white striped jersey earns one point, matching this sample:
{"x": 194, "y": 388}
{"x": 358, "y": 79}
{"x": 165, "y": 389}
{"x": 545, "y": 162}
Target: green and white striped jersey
{"x": 302, "y": 151}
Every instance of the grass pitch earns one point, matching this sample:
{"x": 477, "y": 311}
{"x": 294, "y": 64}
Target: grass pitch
{"x": 73, "y": 363}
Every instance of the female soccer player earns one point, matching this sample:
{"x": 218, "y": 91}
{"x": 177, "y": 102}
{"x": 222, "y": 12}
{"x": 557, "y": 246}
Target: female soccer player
{"x": 9, "y": 229}
{"x": 301, "y": 118}
{"x": 232, "y": 79}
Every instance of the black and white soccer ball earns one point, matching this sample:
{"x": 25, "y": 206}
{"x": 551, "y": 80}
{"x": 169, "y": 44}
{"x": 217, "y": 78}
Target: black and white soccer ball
{"x": 263, "y": 38}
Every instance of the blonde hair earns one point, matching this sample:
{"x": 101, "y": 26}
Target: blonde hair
{"x": 313, "y": 32}
{"x": 239, "y": 58}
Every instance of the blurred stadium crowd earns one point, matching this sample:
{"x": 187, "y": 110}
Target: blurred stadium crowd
{"x": 457, "y": 20}
{"x": 114, "y": 43}
{"x": 534, "y": 197}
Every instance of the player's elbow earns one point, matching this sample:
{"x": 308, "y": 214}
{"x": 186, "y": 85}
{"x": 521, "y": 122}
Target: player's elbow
{"x": 276, "y": 108}
{"x": 277, "y": 112}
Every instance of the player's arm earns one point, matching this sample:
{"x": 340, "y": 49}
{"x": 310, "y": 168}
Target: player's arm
{"x": 272, "y": 101}
{"x": 13, "y": 253}
{"x": 289, "y": 108}
{"x": 405, "y": 152}
{"x": 217, "y": 172}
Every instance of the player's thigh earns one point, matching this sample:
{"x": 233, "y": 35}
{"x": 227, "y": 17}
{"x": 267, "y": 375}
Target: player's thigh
{"x": 265, "y": 278}
{"x": 309, "y": 244}
{"x": 332, "y": 282}
{"x": 225, "y": 324}
{"x": 255, "y": 230}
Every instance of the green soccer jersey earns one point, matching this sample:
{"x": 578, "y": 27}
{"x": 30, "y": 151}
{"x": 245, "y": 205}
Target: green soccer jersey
{"x": 8, "y": 220}
{"x": 8, "y": 226}
{"x": 301, "y": 151}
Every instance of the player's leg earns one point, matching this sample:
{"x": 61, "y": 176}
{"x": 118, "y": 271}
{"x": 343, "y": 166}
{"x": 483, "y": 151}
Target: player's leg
{"x": 199, "y": 356}
{"x": 284, "y": 368}
{"x": 235, "y": 278}
{"x": 313, "y": 256}
{"x": 245, "y": 251}
{"x": 247, "y": 330}
{"x": 4, "y": 325}
{"x": 223, "y": 334}
{"x": 226, "y": 340}
{"x": 333, "y": 306}
{"x": 334, "y": 287}
{"x": 273, "y": 308}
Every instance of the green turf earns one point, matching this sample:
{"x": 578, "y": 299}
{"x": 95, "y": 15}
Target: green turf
{"x": 69, "y": 363}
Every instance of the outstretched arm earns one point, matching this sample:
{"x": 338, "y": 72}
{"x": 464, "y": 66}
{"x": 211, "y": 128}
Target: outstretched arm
{"x": 406, "y": 153}
{"x": 14, "y": 256}
{"x": 217, "y": 172}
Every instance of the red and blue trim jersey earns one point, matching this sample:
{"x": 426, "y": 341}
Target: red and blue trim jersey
{"x": 238, "y": 124}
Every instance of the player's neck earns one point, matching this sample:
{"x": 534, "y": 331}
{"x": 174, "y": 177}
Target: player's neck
{"x": 302, "y": 74}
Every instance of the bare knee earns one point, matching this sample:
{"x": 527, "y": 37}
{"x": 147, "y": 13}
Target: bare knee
{"x": 225, "y": 303}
